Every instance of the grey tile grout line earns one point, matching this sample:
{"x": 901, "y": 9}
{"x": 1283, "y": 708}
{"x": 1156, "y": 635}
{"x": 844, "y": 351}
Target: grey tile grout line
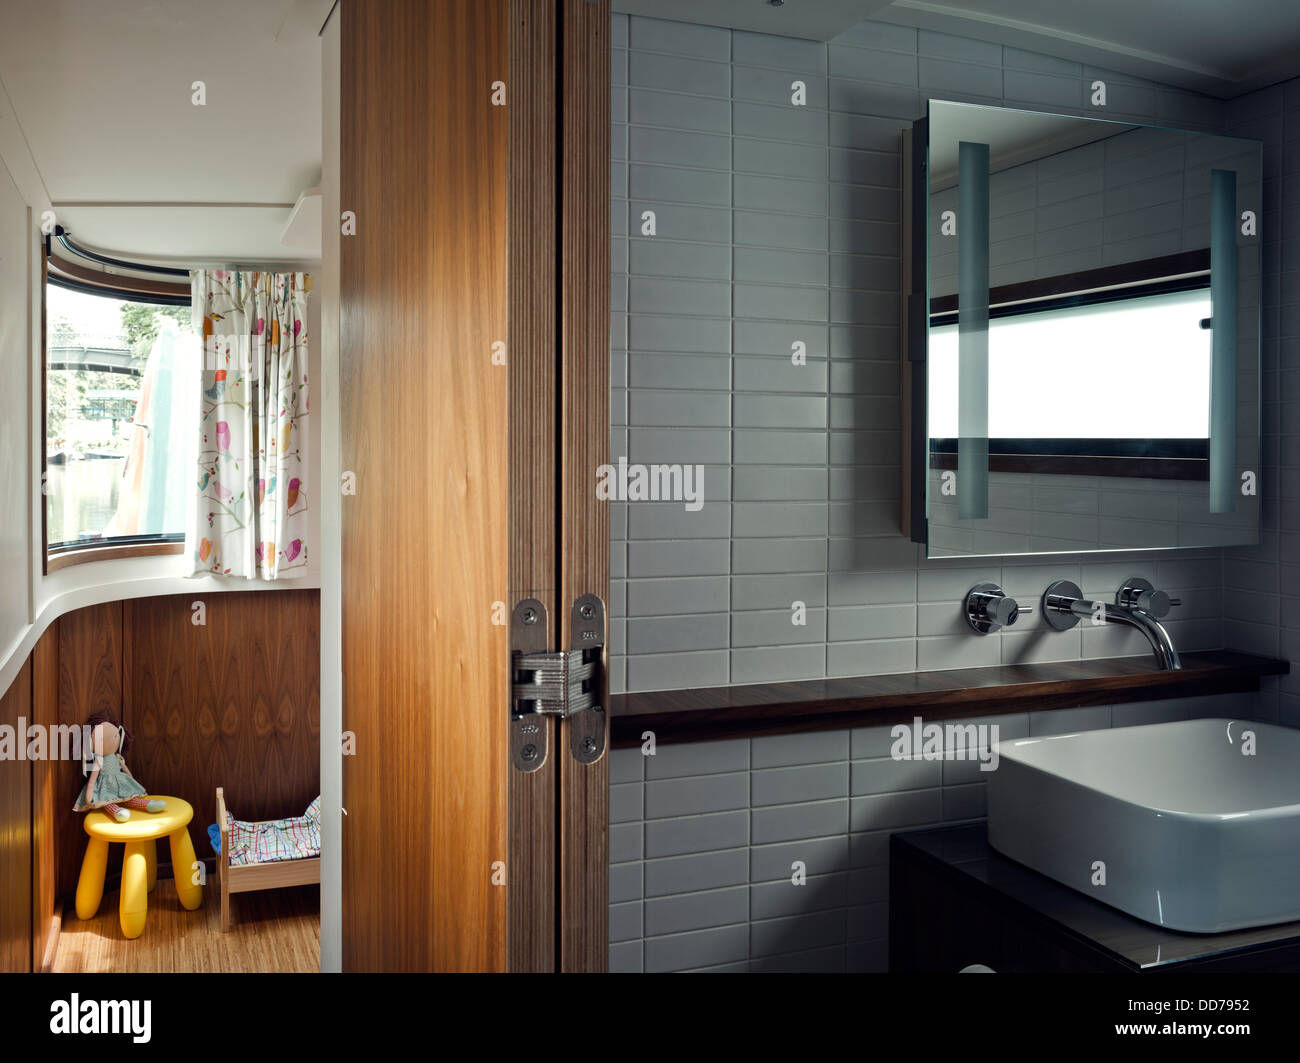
{"x": 731, "y": 361}
{"x": 825, "y": 50}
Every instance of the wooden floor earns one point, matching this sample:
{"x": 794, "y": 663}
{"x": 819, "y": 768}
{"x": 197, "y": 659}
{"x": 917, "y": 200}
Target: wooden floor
{"x": 271, "y": 930}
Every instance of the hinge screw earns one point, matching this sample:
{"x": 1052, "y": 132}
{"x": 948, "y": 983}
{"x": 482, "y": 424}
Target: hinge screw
{"x": 589, "y": 744}
{"x": 529, "y": 616}
{"x": 528, "y": 753}
{"x": 587, "y": 612}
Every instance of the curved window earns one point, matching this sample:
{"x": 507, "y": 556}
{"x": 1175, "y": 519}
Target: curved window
{"x": 119, "y": 418}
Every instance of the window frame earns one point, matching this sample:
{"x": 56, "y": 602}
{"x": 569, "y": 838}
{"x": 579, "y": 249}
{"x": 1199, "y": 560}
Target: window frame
{"x": 62, "y": 272}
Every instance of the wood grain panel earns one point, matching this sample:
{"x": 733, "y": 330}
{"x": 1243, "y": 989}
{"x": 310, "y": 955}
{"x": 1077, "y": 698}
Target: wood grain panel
{"x": 45, "y": 797}
{"x": 232, "y": 702}
{"x": 584, "y": 445}
{"x": 90, "y": 680}
{"x": 16, "y": 834}
{"x": 113, "y": 282}
{"x": 90, "y": 661}
{"x": 533, "y": 372}
{"x": 273, "y": 932}
{"x": 872, "y": 700}
{"x": 82, "y": 555}
{"x": 423, "y": 408}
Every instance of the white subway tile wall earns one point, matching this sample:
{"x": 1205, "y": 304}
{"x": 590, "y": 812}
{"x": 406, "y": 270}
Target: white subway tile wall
{"x": 776, "y": 229}
{"x": 774, "y": 225}
{"x": 1261, "y": 585}
{"x": 707, "y": 838}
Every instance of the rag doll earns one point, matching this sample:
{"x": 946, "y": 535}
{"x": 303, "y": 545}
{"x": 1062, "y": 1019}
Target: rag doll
{"x": 111, "y": 786}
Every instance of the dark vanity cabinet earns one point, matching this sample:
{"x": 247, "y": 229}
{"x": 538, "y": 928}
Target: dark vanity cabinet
{"x": 955, "y": 902}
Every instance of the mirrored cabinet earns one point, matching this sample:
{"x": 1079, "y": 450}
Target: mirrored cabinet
{"x": 1081, "y": 337}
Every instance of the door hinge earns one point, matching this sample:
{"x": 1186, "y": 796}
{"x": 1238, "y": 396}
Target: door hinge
{"x": 556, "y": 683}
{"x": 587, "y": 724}
{"x": 567, "y": 684}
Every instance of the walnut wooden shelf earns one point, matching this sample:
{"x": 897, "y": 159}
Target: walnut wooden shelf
{"x": 823, "y": 704}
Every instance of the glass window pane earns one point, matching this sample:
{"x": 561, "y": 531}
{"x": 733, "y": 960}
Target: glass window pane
{"x": 119, "y": 417}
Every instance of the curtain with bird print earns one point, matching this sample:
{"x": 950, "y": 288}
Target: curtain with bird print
{"x": 251, "y": 502}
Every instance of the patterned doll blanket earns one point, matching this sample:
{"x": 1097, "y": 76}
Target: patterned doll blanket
{"x": 275, "y": 839}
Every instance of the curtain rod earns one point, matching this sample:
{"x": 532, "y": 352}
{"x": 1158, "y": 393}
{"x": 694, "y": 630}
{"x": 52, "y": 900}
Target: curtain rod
{"x": 61, "y": 234}
{"x": 291, "y": 266}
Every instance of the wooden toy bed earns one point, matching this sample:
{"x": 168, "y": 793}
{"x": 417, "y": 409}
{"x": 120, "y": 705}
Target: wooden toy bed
{"x": 243, "y": 878}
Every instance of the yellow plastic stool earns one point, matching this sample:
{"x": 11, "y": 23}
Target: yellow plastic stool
{"x": 140, "y": 864}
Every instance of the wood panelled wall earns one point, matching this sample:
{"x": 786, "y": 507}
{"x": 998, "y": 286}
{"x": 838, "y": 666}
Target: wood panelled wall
{"x": 45, "y": 844}
{"x": 16, "y": 835}
{"x": 232, "y": 702}
{"x": 90, "y": 680}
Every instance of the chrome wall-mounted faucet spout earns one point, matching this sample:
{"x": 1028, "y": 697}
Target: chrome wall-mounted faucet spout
{"x": 1137, "y": 604}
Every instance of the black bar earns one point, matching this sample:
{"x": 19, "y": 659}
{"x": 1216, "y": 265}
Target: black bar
{"x": 1094, "y": 448}
{"x": 1185, "y": 271}
{"x": 62, "y": 236}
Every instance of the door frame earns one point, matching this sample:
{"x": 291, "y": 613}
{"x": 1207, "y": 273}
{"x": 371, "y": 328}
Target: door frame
{"x": 559, "y": 197}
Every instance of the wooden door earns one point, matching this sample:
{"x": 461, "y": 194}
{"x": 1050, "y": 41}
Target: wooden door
{"x": 559, "y": 436}
{"x": 584, "y": 446}
{"x": 534, "y": 372}
{"x": 424, "y": 538}
{"x": 474, "y": 408}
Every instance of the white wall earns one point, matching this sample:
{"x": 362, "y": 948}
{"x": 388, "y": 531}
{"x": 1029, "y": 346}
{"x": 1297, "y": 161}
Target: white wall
{"x": 22, "y": 201}
{"x": 30, "y": 600}
{"x": 14, "y": 413}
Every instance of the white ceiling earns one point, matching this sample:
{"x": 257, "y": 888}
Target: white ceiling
{"x": 103, "y": 95}
{"x": 1220, "y": 47}
{"x": 185, "y": 235}
{"x": 101, "y": 92}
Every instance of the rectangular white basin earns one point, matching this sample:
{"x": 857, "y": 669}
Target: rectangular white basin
{"x": 1174, "y": 823}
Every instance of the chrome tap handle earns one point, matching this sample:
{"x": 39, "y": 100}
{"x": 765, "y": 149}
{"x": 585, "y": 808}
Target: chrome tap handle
{"x": 988, "y": 609}
{"x": 1157, "y": 603}
{"x": 1138, "y": 593}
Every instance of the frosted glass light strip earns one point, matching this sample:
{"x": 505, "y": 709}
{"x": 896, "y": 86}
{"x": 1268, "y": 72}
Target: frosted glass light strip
{"x": 973, "y": 331}
{"x": 1223, "y": 340}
